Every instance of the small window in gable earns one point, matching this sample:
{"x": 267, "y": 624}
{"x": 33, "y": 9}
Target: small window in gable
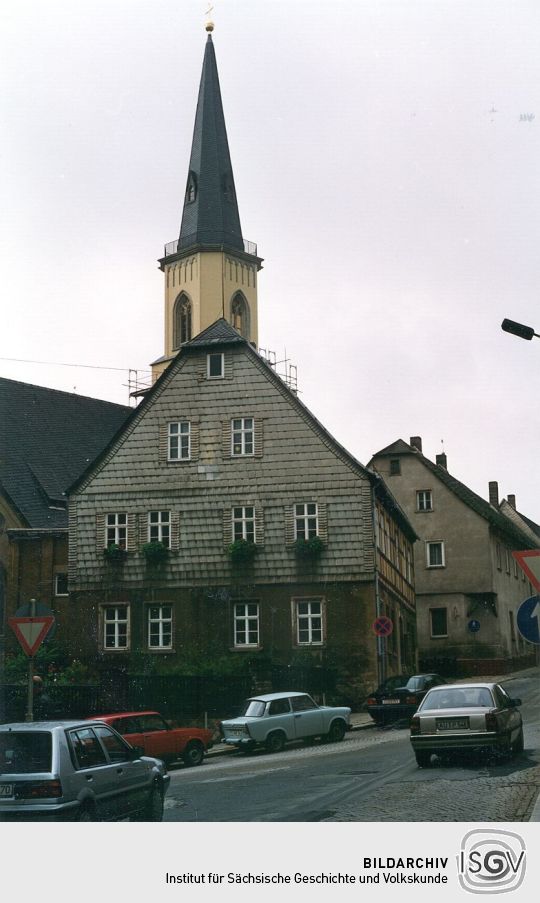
{"x": 215, "y": 366}
{"x": 395, "y": 467}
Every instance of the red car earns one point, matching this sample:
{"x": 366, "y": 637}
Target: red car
{"x": 150, "y": 732}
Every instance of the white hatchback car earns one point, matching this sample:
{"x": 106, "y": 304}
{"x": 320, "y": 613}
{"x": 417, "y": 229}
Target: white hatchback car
{"x": 459, "y": 717}
{"x": 272, "y": 719}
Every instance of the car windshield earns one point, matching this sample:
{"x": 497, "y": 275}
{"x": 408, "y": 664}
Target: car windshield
{"x": 25, "y": 752}
{"x": 253, "y": 708}
{"x": 467, "y": 697}
{"x": 415, "y": 683}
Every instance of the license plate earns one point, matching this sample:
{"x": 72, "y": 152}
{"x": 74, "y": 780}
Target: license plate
{"x": 452, "y": 724}
{"x": 390, "y": 702}
{"x": 7, "y": 790}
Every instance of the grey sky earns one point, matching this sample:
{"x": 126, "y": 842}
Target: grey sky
{"x": 385, "y": 161}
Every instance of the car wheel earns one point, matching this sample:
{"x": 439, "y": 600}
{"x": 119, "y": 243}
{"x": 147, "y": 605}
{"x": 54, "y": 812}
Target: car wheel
{"x": 153, "y": 809}
{"x": 423, "y": 758}
{"x": 337, "y": 731}
{"x": 518, "y": 744}
{"x": 275, "y": 742}
{"x": 193, "y": 754}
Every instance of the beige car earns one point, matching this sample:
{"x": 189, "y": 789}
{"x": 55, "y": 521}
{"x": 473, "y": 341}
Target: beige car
{"x": 459, "y": 717}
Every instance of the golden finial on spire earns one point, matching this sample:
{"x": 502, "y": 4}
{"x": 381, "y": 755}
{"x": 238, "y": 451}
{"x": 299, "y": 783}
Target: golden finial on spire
{"x": 209, "y": 24}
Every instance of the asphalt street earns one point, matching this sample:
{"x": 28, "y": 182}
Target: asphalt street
{"x": 371, "y": 776}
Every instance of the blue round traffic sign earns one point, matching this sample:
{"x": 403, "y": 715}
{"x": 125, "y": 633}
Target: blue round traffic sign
{"x": 474, "y": 625}
{"x": 527, "y": 620}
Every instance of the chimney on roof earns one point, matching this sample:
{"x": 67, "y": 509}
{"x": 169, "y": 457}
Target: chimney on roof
{"x": 416, "y": 442}
{"x": 494, "y": 493}
{"x": 441, "y": 460}
{"x": 512, "y": 501}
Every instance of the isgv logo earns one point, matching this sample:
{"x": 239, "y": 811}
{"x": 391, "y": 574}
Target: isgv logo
{"x": 491, "y": 862}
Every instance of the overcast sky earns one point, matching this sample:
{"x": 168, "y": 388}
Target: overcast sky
{"x": 386, "y": 163}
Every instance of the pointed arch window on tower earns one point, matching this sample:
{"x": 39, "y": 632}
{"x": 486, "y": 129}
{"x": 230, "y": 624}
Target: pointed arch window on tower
{"x": 182, "y": 320}
{"x": 240, "y": 315}
{"x": 191, "y": 188}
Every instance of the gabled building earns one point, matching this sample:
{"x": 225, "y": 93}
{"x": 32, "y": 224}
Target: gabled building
{"x": 468, "y": 586}
{"x": 46, "y": 440}
{"x": 221, "y": 460}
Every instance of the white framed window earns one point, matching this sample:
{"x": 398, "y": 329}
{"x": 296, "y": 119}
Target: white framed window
{"x": 215, "y": 365}
{"x": 179, "y": 441}
{"x": 309, "y": 622}
{"x": 243, "y": 523}
{"x": 61, "y": 584}
{"x": 246, "y": 624}
{"x": 116, "y": 530}
{"x": 160, "y": 626}
{"x": 115, "y": 626}
{"x": 438, "y": 622}
{"x": 242, "y": 436}
{"x": 424, "y": 500}
{"x": 507, "y": 560}
{"x": 159, "y": 527}
{"x": 306, "y": 521}
{"x": 435, "y": 554}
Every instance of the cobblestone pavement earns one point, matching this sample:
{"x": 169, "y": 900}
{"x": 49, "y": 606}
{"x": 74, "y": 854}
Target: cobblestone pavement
{"x": 482, "y": 799}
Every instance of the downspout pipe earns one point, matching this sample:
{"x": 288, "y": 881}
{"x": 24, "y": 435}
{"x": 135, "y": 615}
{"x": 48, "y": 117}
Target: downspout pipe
{"x": 381, "y": 641}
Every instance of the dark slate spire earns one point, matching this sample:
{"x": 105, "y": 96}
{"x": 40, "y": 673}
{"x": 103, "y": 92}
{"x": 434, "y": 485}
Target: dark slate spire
{"x": 210, "y": 215}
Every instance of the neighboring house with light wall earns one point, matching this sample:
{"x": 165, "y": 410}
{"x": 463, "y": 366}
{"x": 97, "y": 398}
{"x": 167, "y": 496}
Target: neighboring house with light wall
{"x": 468, "y": 585}
{"x": 221, "y": 458}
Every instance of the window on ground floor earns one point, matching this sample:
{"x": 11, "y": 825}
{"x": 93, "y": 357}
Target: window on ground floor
{"x": 159, "y": 626}
{"x": 246, "y": 624}
{"x": 309, "y": 628}
{"x": 438, "y": 622}
{"x": 115, "y": 626}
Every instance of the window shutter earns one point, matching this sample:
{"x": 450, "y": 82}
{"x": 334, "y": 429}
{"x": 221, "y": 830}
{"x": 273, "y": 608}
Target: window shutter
{"x": 259, "y": 527}
{"x": 163, "y": 442}
{"x": 131, "y": 544}
{"x": 322, "y": 521}
{"x": 258, "y": 438}
{"x": 226, "y": 428}
{"x": 289, "y": 525}
{"x": 195, "y": 440}
{"x": 175, "y": 532}
{"x": 143, "y": 528}
{"x": 227, "y": 527}
{"x": 101, "y": 540}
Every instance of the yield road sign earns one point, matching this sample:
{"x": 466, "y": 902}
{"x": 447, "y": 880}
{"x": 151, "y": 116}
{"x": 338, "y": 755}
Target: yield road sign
{"x": 383, "y": 626}
{"x": 529, "y": 562}
{"x": 31, "y": 632}
{"x": 527, "y": 619}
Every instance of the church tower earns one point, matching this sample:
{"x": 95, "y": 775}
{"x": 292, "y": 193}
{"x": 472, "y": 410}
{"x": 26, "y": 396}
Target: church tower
{"x": 210, "y": 271}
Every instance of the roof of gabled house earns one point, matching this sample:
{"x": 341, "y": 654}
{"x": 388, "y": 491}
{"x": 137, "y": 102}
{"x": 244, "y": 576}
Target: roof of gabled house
{"x": 497, "y": 520}
{"x": 221, "y": 334}
{"x": 524, "y": 523}
{"x": 47, "y": 438}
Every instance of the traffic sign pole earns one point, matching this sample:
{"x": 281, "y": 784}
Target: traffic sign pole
{"x": 30, "y": 632}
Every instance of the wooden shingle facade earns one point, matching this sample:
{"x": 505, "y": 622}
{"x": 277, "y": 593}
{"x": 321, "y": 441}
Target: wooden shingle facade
{"x": 219, "y": 456}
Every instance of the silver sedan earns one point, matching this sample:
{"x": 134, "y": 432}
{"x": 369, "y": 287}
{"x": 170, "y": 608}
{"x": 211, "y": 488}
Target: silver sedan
{"x": 460, "y": 717}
